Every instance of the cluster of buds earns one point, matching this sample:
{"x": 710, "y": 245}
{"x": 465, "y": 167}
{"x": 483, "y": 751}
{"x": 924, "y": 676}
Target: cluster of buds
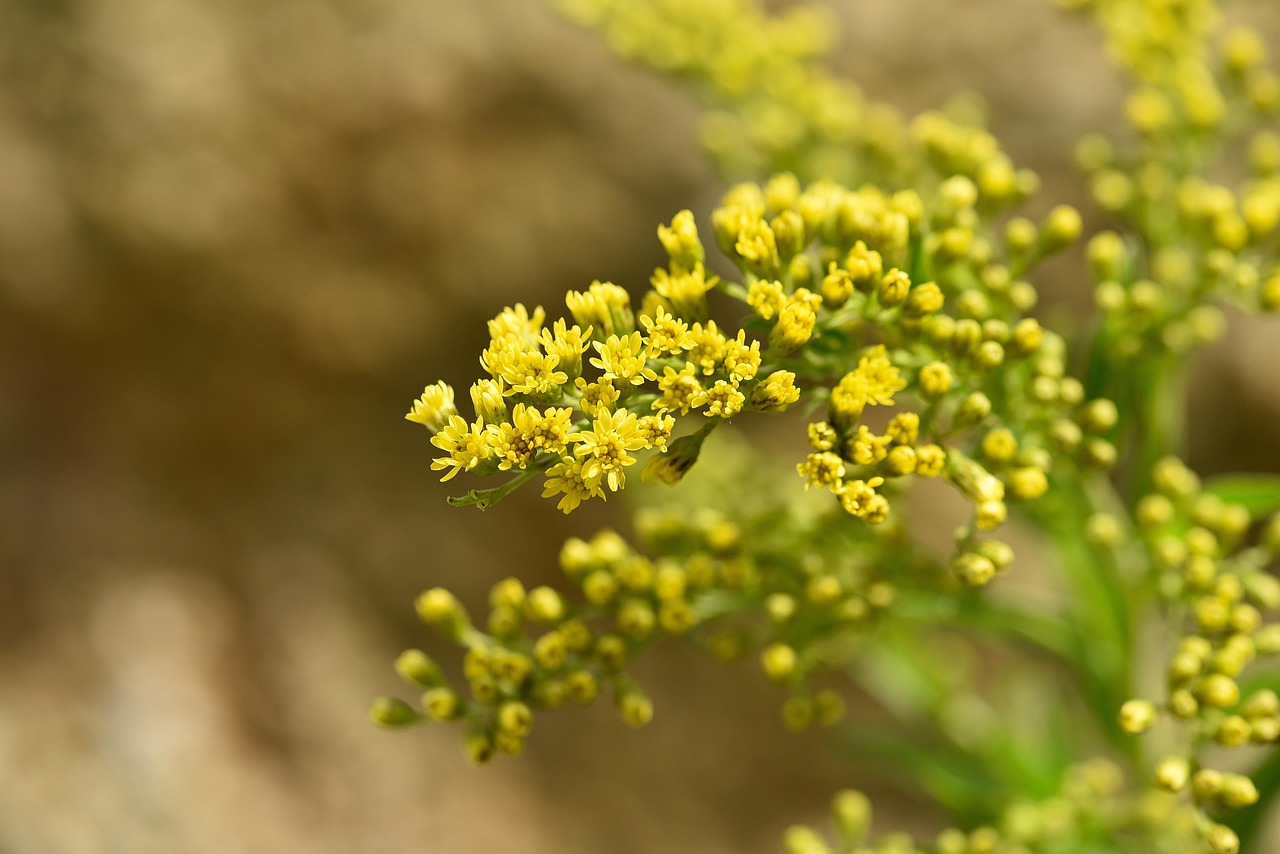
{"x": 774, "y": 105}
{"x": 1208, "y": 567}
{"x": 1091, "y": 811}
{"x": 694, "y": 576}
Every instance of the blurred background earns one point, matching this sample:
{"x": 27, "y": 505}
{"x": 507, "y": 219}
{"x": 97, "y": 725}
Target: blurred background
{"x": 236, "y": 240}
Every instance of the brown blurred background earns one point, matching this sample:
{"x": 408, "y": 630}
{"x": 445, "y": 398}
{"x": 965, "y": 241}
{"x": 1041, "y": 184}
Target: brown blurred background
{"x": 236, "y": 239}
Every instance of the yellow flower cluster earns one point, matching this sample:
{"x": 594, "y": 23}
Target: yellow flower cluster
{"x": 1200, "y": 545}
{"x": 1091, "y": 812}
{"x": 1203, "y": 99}
{"x": 774, "y": 105}
{"x": 823, "y": 269}
{"x": 579, "y": 401}
{"x": 541, "y": 650}
{"x": 952, "y": 341}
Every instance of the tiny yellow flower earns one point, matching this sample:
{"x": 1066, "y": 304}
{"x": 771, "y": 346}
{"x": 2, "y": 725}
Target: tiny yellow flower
{"x": 680, "y": 240}
{"x": 655, "y": 430}
{"x": 486, "y": 397}
{"x": 596, "y": 396}
{"x": 859, "y": 498}
{"x": 741, "y": 360}
{"x": 623, "y": 359}
{"x": 766, "y": 297}
{"x": 709, "y": 347}
{"x": 604, "y": 307}
{"x": 568, "y": 479}
{"x": 822, "y": 436}
{"x": 722, "y": 399}
{"x": 665, "y": 334}
{"x": 776, "y": 393}
{"x": 567, "y": 344}
{"x": 685, "y": 290}
{"x": 935, "y": 380}
{"x": 837, "y": 286}
{"x": 874, "y": 381}
{"x": 866, "y": 448}
{"x": 434, "y": 408}
{"x": 757, "y": 245}
{"x": 930, "y": 460}
{"x": 518, "y": 324}
{"x": 604, "y": 448}
{"x": 865, "y": 267}
{"x": 903, "y": 429}
{"x": 823, "y": 470}
{"x": 466, "y": 447}
{"x": 678, "y": 390}
{"x": 796, "y": 321}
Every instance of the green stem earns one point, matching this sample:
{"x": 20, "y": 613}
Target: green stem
{"x": 1101, "y": 613}
{"x": 1160, "y": 395}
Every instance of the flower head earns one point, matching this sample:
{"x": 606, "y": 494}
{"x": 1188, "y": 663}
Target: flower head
{"x": 434, "y": 408}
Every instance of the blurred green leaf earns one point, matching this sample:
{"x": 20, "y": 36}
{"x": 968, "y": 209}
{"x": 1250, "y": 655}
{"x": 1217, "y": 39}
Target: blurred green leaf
{"x": 1259, "y": 493}
{"x": 956, "y": 779}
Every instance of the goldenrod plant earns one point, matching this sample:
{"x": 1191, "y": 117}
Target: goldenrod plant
{"x": 876, "y": 298}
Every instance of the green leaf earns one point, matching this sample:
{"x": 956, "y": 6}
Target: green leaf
{"x": 911, "y": 761}
{"x": 483, "y": 499}
{"x": 1259, "y": 493}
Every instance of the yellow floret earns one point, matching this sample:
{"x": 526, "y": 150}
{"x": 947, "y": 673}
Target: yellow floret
{"x": 434, "y": 408}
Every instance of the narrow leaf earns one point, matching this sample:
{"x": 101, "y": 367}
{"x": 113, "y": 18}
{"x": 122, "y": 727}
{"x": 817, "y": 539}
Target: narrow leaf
{"x": 1259, "y": 493}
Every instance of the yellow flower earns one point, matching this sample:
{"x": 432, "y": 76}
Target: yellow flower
{"x": 822, "y": 436}
{"x": 466, "y": 446}
{"x": 525, "y": 369}
{"x": 924, "y": 299}
{"x": 757, "y": 245}
{"x": 894, "y": 287}
{"x": 568, "y": 479}
{"x": 486, "y": 397}
{"x": 665, "y": 334}
{"x": 930, "y": 460}
{"x": 680, "y": 239}
{"x": 837, "y": 286}
{"x": 655, "y": 429}
{"x": 903, "y": 429}
{"x": 512, "y": 441}
{"x": 709, "y": 346}
{"x": 678, "y": 389}
{"x": 686, "y": 291}
{"x": 866, "y": 448}
{"x": 722, "y": 399}
{"x": 740, "y": 360}
{"x": 601, "y": 394}
{"x": 865, "y": 267}
{"x": 567, "y": 344}
{"x": 517, "y": 324}
{"x": 766, "y": 297}
{"x": 874, "y": 381}
{"x": 776, "y": 393}
{"x": 623, "y": 360}
{"x": 796, "y": 321}
{"x": 742, "y": 206}
{"x": 604, "y": 448}
{"x": 604, "y": 307}
{"x": 434, "y": 409}
{"x": 935, "y": 380}
{"x": 535, "y": 374}
{"x": 859, "y": 498}
{"x": 823, "y": 470}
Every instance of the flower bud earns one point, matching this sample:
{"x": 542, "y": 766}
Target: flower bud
{"x": 1137, "y": 716}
